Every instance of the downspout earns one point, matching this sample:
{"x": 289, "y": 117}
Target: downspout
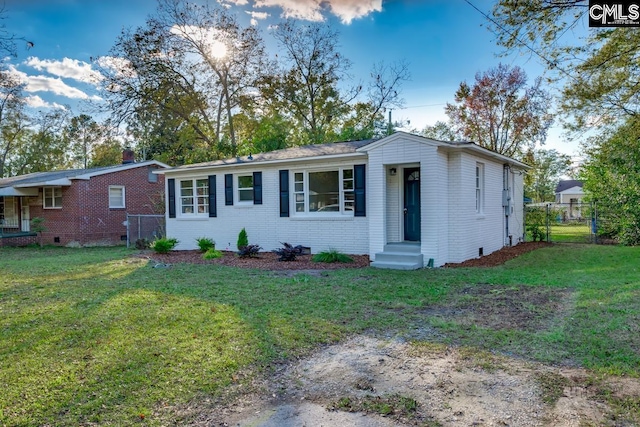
{"x": 506, "y": 202}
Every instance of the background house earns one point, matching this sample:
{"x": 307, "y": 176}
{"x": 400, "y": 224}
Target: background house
{"x": 406, "y": 200}
{"x": 569, "y": 196}
{"x": 83, "y": 206}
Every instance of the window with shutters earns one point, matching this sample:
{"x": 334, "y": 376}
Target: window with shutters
{"x": 245, "y": 188}
{"x": 193, "y": 197}
{"x": 324, "y": 192}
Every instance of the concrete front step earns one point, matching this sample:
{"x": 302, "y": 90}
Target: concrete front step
{"x": 399, "y": 256}
{"x": 402, "y": 247}
{"x": 396, "y": 265}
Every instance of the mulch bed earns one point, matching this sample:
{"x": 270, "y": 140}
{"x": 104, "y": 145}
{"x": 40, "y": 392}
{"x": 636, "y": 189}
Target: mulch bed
{"x": 501, "y": 256}
{"x": 269, "y": 260}
{"x": 264, "y": 261}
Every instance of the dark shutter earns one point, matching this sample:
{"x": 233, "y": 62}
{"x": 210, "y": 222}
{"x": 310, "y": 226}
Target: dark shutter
{"x": 213, "y": 208}
{"x": 257, "y": 188}
{"x": 359, "y": 185}
{"x": 284, "y": 193}
{"x": 228, "y": 189}
{"x": 172, "y": 197}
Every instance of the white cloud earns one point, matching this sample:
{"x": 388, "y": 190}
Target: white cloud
{"x": 229, "y": 3}
{"x": 67, "y": 68}
{"x": 311, "y": 10}
{"x": 348, "y": 10}
{"x": 255, "y": 16}
{"x": 36, "y": 102}
{"x": 308, "y": 10}
{"x": 50, "y": 84}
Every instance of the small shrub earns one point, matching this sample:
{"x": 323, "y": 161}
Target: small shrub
{"x": 205, "y": 244}
{"x": 288, "y": 252}
{"x": 243, "y": 239}
{"x": 142, "y": 244}
{"x": 331, "y": 256}
{"x": 248, "y": 251}
{"x": 164, "y": 245}
{"x": 537, "y": 234}
{"x": 212, "y": 253}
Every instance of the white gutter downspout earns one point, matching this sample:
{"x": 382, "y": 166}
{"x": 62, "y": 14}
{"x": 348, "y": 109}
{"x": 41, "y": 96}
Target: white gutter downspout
{"x": 506, "y": 202}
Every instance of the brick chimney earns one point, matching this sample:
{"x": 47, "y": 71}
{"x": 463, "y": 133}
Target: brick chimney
{"x": 128, "y": 156}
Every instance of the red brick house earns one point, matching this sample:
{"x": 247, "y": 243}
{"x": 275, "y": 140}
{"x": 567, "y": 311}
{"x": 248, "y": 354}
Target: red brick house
{"x": 79, "y": 207}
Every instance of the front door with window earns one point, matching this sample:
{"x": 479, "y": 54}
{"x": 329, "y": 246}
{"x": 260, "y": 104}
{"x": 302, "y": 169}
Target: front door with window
{"x": 26, "y": 217}
{"x": 412, "y": 204}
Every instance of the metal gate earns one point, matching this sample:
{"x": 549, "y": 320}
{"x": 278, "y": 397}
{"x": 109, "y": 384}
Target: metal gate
{"x": 147, "y": 227}
{"x": 561, "y": 222}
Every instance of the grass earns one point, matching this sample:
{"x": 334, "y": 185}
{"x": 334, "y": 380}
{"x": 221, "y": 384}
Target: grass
{"x": 93, "y": 336}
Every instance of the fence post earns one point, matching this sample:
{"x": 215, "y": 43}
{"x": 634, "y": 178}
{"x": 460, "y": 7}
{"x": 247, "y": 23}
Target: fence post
{"x": 547, "y": 222}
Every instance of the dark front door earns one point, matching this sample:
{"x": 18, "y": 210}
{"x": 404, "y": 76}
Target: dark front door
{"x": 412, "y": 204}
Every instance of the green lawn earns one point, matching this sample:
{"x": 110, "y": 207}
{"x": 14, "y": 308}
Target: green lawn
{"x": 94, "y": 336}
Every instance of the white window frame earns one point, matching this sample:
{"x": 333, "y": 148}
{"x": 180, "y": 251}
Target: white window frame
{"x": 244, "y": 189}
{"x": 479, "y": 185}
{"x": 121, "y": 197}
{"x": 300, "y": 191}
{"x": 198, "y": 209}
{"x": 52, "y": 197}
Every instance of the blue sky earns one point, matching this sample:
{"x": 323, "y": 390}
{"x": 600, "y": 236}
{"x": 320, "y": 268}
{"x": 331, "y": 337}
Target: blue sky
{"x": 445, "y": 42}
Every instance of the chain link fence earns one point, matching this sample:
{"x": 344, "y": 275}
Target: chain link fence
{"x": 143, "y": 229}
{"x": 562, "y": 222}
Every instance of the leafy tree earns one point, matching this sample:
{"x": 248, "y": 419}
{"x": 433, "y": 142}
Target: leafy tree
{"x": 599, "y": 70}
{"x": 13, "y": 120}
{"x": 500, "y": 112}
{"x": 106, "y": 153}
{"x": 187, "y": 70}
{"x": 548, "y": 166}
{"x": 83, "y": 133}
{"x": 442, "y": 131}
{"x": 44, "y": 145}
{"x": 306, "y": 84}
{"x": 611, "y": 176}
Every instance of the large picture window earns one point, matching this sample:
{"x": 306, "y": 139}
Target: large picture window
{"x": 194, "y": 197}
{"x": 328, "y": 191}
{"x": 52, "y": 197}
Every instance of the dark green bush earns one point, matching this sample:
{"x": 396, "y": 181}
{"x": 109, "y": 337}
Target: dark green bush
{"x": 243, "y": 239}
{"x": 142, "y": 244}
{"x": 164, "y": 245}
{"x": 205, "y": 243}
{"x": 331, "y": 256}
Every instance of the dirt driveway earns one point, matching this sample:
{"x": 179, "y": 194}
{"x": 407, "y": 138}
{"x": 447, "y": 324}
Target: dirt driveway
{"x": 368, "y": 381}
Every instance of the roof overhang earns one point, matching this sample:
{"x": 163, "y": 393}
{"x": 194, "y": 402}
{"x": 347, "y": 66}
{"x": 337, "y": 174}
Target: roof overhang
{"x": 62, "y": 182}
{"x": 250, "y": 164}
{"x": 444, "y": 145}
{"x": 12, "y": 191}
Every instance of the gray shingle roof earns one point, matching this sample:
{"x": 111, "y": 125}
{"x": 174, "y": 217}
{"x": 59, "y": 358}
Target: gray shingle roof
{"x": 332, "y": 148}
{"x": 567, "y": 184}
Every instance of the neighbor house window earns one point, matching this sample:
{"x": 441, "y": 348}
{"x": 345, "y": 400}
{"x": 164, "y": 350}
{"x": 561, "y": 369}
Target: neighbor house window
{"x": 116, "y": 196}
{"x": 479, "y": 187}
{"x": 194, "y": 197}
{"x": 52, "y": 197}
{"x": 8, "y": 212}
{"x": 324, "y": 191}
{"x": 245, "y": 188}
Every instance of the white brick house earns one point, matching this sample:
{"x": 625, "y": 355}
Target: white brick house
{"x": 405, "y": 200}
